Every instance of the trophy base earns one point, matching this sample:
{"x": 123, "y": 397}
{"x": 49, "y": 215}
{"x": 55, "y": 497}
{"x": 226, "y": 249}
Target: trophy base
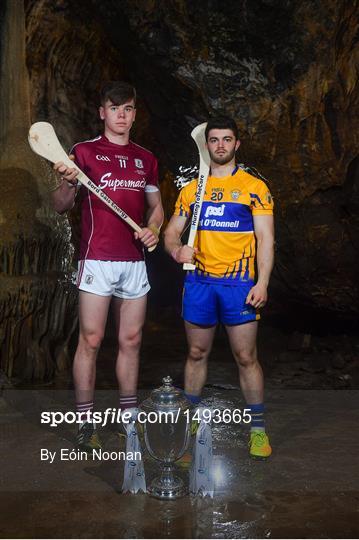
{"x": 167, "y": 491}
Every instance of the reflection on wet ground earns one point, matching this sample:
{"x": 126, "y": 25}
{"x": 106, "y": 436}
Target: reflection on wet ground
{"x": 308, "y": 488}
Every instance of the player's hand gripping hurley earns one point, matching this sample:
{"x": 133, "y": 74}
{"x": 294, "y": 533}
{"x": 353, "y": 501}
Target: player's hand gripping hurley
{"x": 44, "y": 142}
{"x": 198, "y": 135}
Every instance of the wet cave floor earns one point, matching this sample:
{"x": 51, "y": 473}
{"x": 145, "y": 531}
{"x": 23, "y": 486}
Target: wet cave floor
{"x": 309, "y": 488}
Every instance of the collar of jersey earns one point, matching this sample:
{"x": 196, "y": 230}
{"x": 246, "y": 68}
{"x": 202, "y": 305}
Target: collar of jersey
{"x": 235, "y": 170}
{"x": 105, "y": 139}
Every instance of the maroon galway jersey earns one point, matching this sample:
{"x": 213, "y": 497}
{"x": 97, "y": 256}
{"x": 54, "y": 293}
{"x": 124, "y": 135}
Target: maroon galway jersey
{"x": 124, "y": 173}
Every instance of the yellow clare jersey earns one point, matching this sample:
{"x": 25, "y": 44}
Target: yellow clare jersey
{"x": 225, "y": 237}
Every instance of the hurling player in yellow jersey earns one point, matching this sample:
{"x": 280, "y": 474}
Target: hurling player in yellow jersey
{"x": 233, "y": 254}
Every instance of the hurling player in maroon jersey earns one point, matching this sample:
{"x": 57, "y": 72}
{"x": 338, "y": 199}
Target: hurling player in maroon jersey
{"x": 111, "y": 266}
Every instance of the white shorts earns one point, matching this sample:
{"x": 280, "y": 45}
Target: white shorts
{"x": 123, "y": 279}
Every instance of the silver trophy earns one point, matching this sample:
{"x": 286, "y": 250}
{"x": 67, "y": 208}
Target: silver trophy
{"x": 167, "y": 435}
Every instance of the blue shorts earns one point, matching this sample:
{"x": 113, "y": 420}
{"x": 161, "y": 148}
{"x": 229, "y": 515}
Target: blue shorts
{"x": 207, "y": 303}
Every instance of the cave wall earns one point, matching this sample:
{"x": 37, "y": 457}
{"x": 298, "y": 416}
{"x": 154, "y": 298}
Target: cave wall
{"x": 37, "y": 301}
{"x": 286, "y": 71}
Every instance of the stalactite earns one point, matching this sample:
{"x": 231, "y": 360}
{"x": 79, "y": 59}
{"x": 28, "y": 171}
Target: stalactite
{"x": 38, "y": 318}
{"x": 37, "y": 299}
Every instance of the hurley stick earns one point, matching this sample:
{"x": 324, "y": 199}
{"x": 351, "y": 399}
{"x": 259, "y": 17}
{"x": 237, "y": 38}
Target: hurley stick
{"x": 44, "y": 142}
{"x": 198, "y": 135}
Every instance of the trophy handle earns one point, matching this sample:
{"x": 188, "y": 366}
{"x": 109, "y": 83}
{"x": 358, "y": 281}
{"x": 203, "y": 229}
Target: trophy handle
{"x": 186, "y": 441}
{"x": 149, "y": 449}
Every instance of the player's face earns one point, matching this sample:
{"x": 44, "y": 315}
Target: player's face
{"x": 222, "y": 145}
{"x": 118, "y": 118}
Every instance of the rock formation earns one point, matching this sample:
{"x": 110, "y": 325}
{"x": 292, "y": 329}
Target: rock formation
{"x": 285, "y": 70}
{"x": 37, "y": 302}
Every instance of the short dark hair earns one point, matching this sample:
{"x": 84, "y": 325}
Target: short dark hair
{"x": 118, "y": 92}
{"x": 222, "y": 122}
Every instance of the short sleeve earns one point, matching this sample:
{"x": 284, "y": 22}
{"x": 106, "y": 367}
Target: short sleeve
{"x": 261, "y": 200}
{"x": 79, "y": 158}
{"x": 182, "y": 206}
{"x": 152, "y": 177}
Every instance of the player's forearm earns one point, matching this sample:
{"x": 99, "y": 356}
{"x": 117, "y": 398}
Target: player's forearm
{"x": 172, "y": 240}
{"x": 265, "y": 258}
{"x": 155, "y": 217}
{"x": 63, "y": 197}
